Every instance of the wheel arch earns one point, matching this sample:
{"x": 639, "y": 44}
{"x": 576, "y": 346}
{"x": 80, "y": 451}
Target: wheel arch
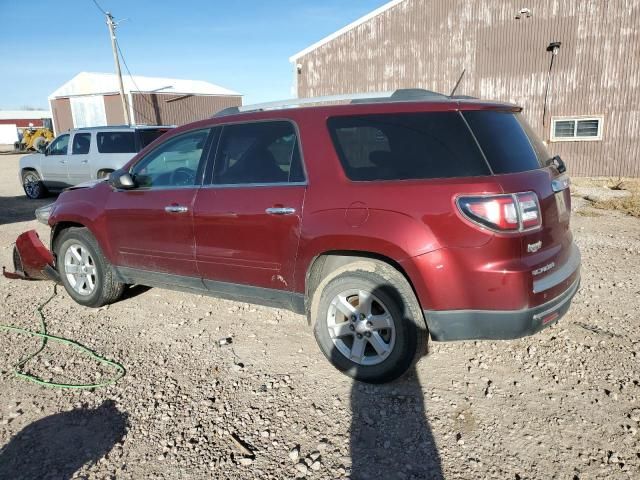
{"x": 333, "y": 262}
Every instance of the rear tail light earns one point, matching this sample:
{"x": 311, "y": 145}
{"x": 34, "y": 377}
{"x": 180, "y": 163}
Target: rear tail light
{"x": 503, "y": 213}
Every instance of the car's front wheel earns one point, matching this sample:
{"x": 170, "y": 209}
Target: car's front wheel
{"x": 32, "y": 184}
{"x": 368, "y": 323}
{"x": 86, "y": 274}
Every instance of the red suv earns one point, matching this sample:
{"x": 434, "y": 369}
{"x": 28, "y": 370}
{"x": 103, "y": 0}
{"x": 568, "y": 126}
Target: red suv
{"x": 383, "y": 220}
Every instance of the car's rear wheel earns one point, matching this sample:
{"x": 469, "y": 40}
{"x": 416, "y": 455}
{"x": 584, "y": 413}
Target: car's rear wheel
{"x": 32, "y": 184}
{"x": 368, "y": 323}
{"x": 86, "y": 274}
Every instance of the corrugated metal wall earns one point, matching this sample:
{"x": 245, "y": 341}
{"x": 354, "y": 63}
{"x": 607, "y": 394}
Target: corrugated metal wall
{"x": 168, "y": 109}
{"x": 113, "y": 109}
{"x": 61, "y": 112}
{"x": 427, "y": 44}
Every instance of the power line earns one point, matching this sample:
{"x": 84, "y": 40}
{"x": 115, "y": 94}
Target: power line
{"x": 195, "y": 116}
{"x": 99, "y": 7}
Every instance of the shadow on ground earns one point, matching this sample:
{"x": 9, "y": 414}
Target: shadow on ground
{"x": 391, "y": 438}
{"x": 57, "y": 446}
{"x": 20, "y": 209}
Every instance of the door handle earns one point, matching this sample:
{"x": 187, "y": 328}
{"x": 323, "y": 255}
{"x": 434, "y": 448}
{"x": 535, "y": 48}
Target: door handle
{"x": 84, "y": 161}
{"x": 280, "y": 211}
{"x": 176, "y": 209}
{"x": 63, "y": 162}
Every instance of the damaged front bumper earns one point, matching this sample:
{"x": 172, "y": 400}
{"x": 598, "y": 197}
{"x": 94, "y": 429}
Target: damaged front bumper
{"x": 32, "y": 260}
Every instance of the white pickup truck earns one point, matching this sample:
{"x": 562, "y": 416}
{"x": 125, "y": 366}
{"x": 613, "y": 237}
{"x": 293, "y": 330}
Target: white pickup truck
{"x": 83, "y": 154}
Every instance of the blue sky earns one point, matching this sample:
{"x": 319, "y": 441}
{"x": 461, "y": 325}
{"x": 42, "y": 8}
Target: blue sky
{"x": 243, "y": 45}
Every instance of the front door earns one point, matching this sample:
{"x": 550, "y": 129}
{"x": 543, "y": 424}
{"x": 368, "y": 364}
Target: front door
{"x": 151, "y": 226}
{"x": 78, "y": 166}
{"x": 247, "y": 218}
{"x": 54, "y": 164}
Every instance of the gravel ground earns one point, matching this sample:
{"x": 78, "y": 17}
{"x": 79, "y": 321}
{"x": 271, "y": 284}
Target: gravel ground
{"x": 562, "y": 404}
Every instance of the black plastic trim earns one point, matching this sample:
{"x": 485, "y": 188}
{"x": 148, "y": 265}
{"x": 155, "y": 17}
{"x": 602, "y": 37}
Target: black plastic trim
{"x": 496, "y": 324}
{"x": 230, "y": 291}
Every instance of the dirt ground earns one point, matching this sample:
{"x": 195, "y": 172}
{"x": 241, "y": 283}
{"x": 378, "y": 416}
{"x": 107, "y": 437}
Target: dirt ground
{"x": 562, "y": 404}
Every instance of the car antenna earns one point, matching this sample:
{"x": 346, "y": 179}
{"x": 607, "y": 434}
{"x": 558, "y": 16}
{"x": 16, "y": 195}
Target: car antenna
{"x": 458, "y": 82}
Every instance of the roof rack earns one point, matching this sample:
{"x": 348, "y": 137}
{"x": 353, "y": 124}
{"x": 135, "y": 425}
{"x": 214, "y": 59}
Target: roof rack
{"x": 401, "y": 95}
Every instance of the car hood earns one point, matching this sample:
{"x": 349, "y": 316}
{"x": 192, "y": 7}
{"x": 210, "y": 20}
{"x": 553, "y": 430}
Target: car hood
{"x": 89, "y": 184}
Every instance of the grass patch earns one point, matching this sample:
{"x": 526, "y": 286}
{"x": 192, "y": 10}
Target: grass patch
{"x": 629, "y": 204}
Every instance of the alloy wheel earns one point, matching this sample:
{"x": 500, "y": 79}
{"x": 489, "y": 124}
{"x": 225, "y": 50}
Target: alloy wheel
{"x": 80, "y": 269}
{"x": 361, "y": 327}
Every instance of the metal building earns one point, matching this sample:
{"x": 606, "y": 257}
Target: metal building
{"x": 591, "y": 116}
{"x": 92, "y": 99}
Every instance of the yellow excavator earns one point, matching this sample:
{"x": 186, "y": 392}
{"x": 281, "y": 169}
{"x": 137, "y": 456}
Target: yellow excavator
{"x": 35, "y": 138}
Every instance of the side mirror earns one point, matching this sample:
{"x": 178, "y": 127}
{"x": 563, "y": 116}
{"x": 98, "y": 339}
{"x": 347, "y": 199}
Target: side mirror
{"x": 121, "y": 180}
{"x": 44, "y": 150}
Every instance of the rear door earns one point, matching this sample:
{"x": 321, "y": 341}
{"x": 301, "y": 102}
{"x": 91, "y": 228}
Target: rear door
{"x": 78, "y": 166}
{"x": 54, "y": 164}
{"x": 151, "y": 226}
{"x": 247, "y": 218}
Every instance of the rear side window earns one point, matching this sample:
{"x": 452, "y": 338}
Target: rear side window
{"x": 505, "y": 142}
{"x": 116, "y": 142}
{"x": 259, "y": 152}
{"x": 406, "y": 146}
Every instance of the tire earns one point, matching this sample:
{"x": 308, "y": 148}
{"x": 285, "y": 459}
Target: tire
{"x": 85, "y": 273}
{"x": 371, "y": 288}
{"x": 32, "y": 185}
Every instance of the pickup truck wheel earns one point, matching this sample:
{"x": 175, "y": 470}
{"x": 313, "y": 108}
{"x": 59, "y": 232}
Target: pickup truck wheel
{"x": 32, "y": 184}
{"x": 86, "y": 274}
{"x": 369, "y": 324}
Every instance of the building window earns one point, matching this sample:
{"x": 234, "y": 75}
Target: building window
{"x": 576, "y": 129}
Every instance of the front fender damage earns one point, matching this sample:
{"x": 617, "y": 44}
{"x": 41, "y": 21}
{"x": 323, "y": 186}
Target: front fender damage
{"x": 32, "y": 260}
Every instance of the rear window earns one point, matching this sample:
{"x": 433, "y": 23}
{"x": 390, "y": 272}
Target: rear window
{"x": 406, "y": 146}
{"x": 148, "y": 135}
{"x": 507, "y": 141}
{"x": 116, "y": 142}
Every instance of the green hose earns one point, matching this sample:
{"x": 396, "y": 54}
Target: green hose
{"x": 18, "y": 367}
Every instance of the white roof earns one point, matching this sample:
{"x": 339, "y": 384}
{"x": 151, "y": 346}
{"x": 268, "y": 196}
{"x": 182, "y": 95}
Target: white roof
{"x": 24, "y": 114}
{"x": 344, "y": 30}
{"x": 88, "y": 83}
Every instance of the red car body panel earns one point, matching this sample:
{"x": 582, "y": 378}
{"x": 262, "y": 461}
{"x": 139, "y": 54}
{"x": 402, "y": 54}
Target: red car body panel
{"x": 238, "y": 242}
{"x": 226, "y": 236}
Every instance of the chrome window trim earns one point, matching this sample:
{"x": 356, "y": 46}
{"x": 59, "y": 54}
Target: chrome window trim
{"x": 255, "y": 185}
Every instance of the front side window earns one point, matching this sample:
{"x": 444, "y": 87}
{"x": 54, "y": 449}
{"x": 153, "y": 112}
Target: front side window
{"x": 406, "y": 146}
{"x": 174, "y": 163}
{"x": 258, "y": 153}
{"x": 60, "y": 145}
{"x": 116, "y": 142}
{"x": 81, "y": 143}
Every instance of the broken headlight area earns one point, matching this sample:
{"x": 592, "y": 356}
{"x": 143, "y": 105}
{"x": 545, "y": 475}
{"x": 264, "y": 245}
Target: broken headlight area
{"x": 43, "y": 213}
{"x": 31, "y": 259}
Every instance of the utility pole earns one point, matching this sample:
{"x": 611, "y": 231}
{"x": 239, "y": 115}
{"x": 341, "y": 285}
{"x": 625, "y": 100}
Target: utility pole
{"x": 112, "y": 31}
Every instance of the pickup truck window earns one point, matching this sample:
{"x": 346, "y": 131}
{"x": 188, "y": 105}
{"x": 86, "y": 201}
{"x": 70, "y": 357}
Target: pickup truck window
{"x": 60, "y": 145}
{"x": 81, "y": 143}
{"x": 116, "y": 142}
